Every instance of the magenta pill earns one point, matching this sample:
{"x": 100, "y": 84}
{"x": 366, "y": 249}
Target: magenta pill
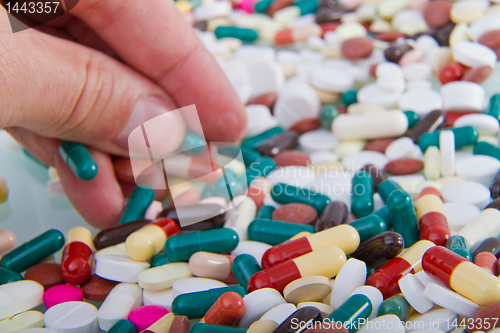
{"x": 146, "y": 315}
{"x": 61, "y": 294}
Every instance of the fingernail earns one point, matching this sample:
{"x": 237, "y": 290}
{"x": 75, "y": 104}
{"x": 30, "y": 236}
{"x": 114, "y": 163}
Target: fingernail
{"x": 78, "y": 159}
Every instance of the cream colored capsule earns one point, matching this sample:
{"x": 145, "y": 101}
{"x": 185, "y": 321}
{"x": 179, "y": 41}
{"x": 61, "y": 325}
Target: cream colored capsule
{"x": 80, "y": 234}
{"x": 145, "y": 242}
{"x": 372, "y": 125}
{"x": 314, "y": 263}
{"x": 163, "y": 277}
{"x": 432, "y": 165}
{"x": 211, "y": 265}
{"x": 429, "y": 203}
{"x": 163, "y": 324}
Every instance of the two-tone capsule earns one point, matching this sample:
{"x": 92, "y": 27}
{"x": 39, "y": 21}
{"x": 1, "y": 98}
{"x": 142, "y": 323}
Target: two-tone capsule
{"x": 76, "y": 261}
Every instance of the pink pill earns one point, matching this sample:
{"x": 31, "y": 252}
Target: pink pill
{"x": 247, "y": 5}
{"x": 61, "y": 294}
{"x": 146, "y": 315}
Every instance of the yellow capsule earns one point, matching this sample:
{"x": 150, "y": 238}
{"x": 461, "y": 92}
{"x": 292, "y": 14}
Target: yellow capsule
{"x": 314, "y": 263}
{"x": 80, "y": 234}
{"x": 301, "y": 234}
{"x": 150, "y": 239}
{"x": 429, "y": 203}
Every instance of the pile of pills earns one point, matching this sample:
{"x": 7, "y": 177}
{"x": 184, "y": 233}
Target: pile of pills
{"x": 367, "y": 198}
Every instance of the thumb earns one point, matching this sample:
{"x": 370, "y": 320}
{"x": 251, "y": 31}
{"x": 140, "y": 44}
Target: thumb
{"x": 59, "y": 89}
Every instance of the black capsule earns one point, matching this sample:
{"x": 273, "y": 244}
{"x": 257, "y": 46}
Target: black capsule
{"x": 378, "y": 175}
{"x": 305, "y": 317}
{"x": 209, "y": 215}
{"x": 494, "y": 204}
{"x": 431, "y": 122}
{"x": 284, "y": 141}
{"x": 329, "y": 11}
{"x": 379, "y": 250}
{"x": 495, "y": 186}
{"x": 490, "y": 244}
{"x": 335, "y": 213}
{"x": 442, "y": 35}
{"x": 118, "y": 234}
{"x": 396, "y": 52}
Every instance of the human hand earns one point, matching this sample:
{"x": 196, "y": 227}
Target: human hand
{"x": 71, "y": 88}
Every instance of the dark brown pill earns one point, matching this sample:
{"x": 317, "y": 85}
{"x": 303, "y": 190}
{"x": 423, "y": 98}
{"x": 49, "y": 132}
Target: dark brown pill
{"x": 379, "y": 145}
{"x": 307, "y": 315}
{"x": 494, "y": 204}
{"x": 202, "y": 25}
{"x": 327, "y": 327}
{"x": 265, "y": 99}
{"x": 437, "y": 13}
{"x": 432, "y": 121}
{"x": 180, "y": 324}
{"x": 278, "y": 143}
{"x": 490, "y": 244}
{"x": 357, "y": 48}
{"x": 296, "y": 213}
{"x": 306, "y": 125}
{"x": 478, "y": 75}
{"x": 484, "y": 319}
{"x": 209, "y": 215}
{"x": 335, "y": 214}
{"x": 490, "y": 39}
{"x": 96, "y": 289}
{"x": 404, "y": 166}
{"x": 378, "y": 175}
{"x": 47, "y": 274}
{"x": 118, "y": 234}
{"x": 329, "y": 12}
{"x": 495, "y": 185}
{"x": 379, "y": 250}
{"x": 395, "y": 53}
{"x": 291, "y": 158}
{"x": 442, "y": 35}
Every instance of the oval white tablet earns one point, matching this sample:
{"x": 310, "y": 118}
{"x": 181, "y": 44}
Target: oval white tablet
{"x": 120, "y": 269}
{"x": 402, "y": 147}
{"x": 483, "y": 123}
{"x": 163, "y": 277}
{"x": 463, "y": 95}
{"x": 373, "y": 94}
{"x": 279, "y": 313}
{"x": 291, "y": 175}
{"x": 253, "y": 248}
{"x": 351, "y": 276}
{"x": 332, "y": 79}
{"x": 257, "y": 303}
{"x": 450, "y": 300}
{"x": 425, "y": 279}
{"x": 371, "y": 125}
{"x": 192, "y": 285}
{"x": 473, "y": 54}
{"x": 413, "y": 291}
{"x": 323, "y": 156}
{"x": 357, "y": 161}
{"x": 296, "y": 102}
{"x": 19, "y": 296}
{"x": 259, "y": 119}
{"x": 318, "y": 140}
{"x": 421, "y": 101}
{"x": 459, "y": 214}
{"x": 72, "y": 317}
{"x": 478, "y": 168}
{"x": 418, "y": 71}
{"x": 374, "y": 295}
{"x": 122, "y": 299}
{"x": 163, "y": 298}
{"x": 467, "y": 192}
{"x": 384, "y": 324}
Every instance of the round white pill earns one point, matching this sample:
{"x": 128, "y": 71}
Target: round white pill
{"x": 473, "y": 54}
{"x": 459, "y": 214}
{"x": 356, "y": 161}
{"x": 259, "y": 119}
{"x": 332, "y": 79}
{"x": 402, "y": 147}
{"x": 478, "y": 168}
{"x": 463, "y": 95}
{"x": 72, "y": 317}
{"x": 421, "y": 101}
{"x": 373, "y": 94}
{"x": 318, "y": 140}
{"x": 257, "y": 303}
{"x": 323, "y": 156}
{"x": 296, "y": 102}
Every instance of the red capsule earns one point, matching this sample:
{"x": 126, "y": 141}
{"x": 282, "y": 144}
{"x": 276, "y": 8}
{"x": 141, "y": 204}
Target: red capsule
{"x": 430, "y": 190}
{"x": 76, "y": 263}
{"x": 486, "y": 260}
{"x": 433, "y": 226}
{"x": 452, "y": 72}
{"x": 329, "y": 26}
{"x": 452, "y": 116}
{"x": 226, "y": 310}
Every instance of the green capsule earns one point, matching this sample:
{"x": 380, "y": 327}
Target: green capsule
{"x": 243, "y": 267}
{"x": 159, "y": 260}
{"x": 137, "y": 205}
{"x": 327, "y": 114}
{"x": 353, "y": 312}
{"x": 458, "y": 244}
{"x": 262, "y": 6}
{"x": 464, "y": 136}
{"x": 31, "y": 253}
{"x": 7, "y": 276}
{"x": 284, "y": 194}
{"x": 182, "y": 247}
{"x": 195, "y": 305}
{"x": 385, "y": 189}
{"x": 256, "y": 141}
{"x": 249, "y": 156}
{"x": 362, "y": 194}
{"x": 261, "y": 168}
{"x": 123, "y": 326}
{"x": 494, "y": 108}
{"x": 413, "y": 118}
{"x": 205, "y": 328}
{"x": 246, "y": 35}
{"x": 193, "y": 143}
{"x": 78, "y": 159}
{"x": 275, "y": 232}
{"x": 385, "y": 215}
{"x": 350, "y": 97}
{"x": 307, "y": 6}
{"x": 404, "y": 218}
{"x": 485, "y": 148}
{"x": 369, "y": 226}
{"x": 396, "y": 305}
{"x": 265, "y": 212}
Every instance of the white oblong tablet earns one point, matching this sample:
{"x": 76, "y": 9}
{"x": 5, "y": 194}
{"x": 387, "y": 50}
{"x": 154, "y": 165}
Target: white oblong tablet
{"x": 257, "y": 303}
{"x": 413, "y": 291}
{"x": 447, "y": 150}
{"x": 459, "y": 214}
{"x": 402, "y": 147}
{"x": 450, "y": 300}
{"x": 463, "y": 95}
{"x": 297, "y": 176}
{"x": 163, "y": 298}
{"x": 307, "y": 289}
{"x": 374, "y": 295}
{"x": 373, "y": 94}
{"x": 421, "y": 101}
{"x": 296, "y": 102}
{"x": 426, "y": 279}
{"x": 22, "y": 321}
{"x": 318, "y": 140}
{"x": 72, "y": 317}
{"x": 473, "y": 54}
{"x": 357, "y": 161}
{"x": 323, "y": 156}
{"x": 19, "y": 296}
{"x": 259, "y": 119}
{"x": 384, "y": 324}
{"x": 192, "y": 285}
{"x": 279, "y": 313}
{"x": 163, "y": 277}
{"x": 432, "y": 163}
{"x": 332, "y": 79}
{"x": 120, "y": 269}
{"x": 122, "y": 299}
{"x": 371, "y": 125}
{"x": 436, "y": 319}
{"x": 467, "y": 192}
{"x": 478, "y": 168}
{"x": 484, "y": 123}
{"x": 351, "y": 276}
{"x": 253, "y": 248}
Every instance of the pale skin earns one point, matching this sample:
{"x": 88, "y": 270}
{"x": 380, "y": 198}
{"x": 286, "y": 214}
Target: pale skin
{"x": 66, "y": 83}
